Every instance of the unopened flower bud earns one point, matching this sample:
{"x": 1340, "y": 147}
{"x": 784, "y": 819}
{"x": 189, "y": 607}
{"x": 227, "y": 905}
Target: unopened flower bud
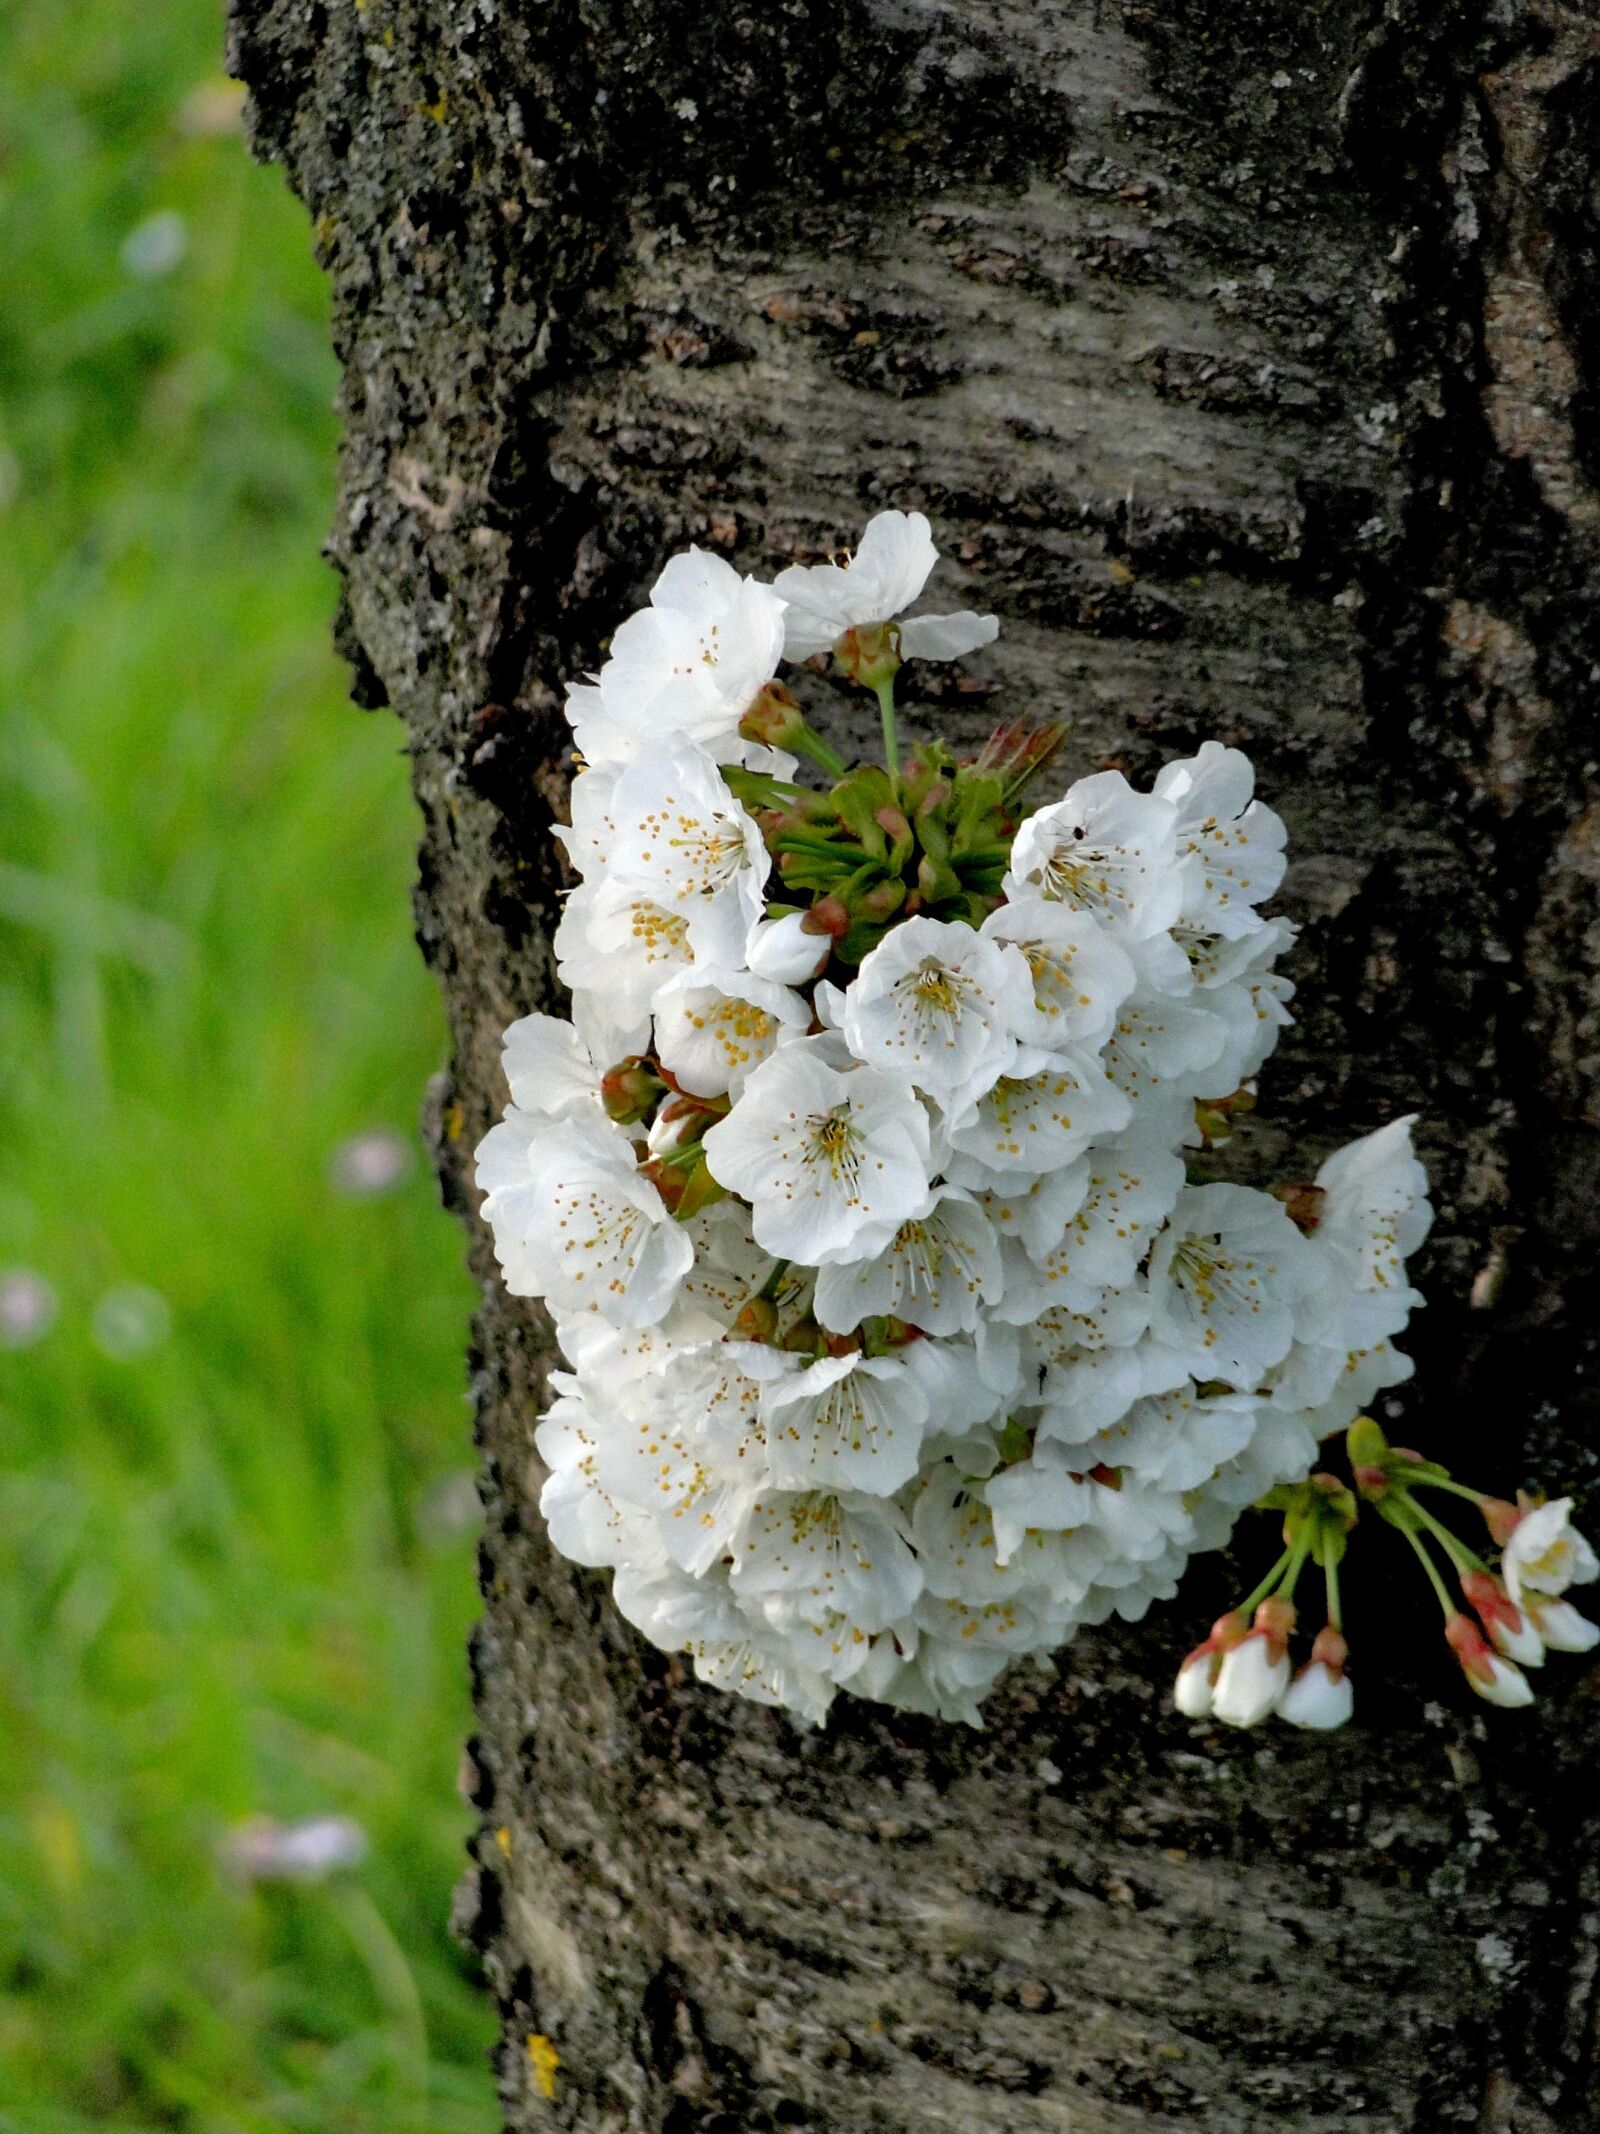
{"x": 829, "y": 916}
{"x": 685, "y": 1188}
{"x": 774, "y": 719}
{"x": 1197, "y": 1677}
{"x": 1215, "y": 1127}
{"x": 630, "y": 1090}
{"x": 788, "y": 951}
{"x": 1194, "y": 1689}
{"x": 1320, "y": 1696}
{"x": 1366, "y": 1443}
{"x": 680, "y": 1120}
{"x": 1302, "y": 1203}
{"x": 1508, "y": 1627}
{"x": 1497, "y": 1681}
{"x": 878, "y": 905}
{"x": 1500, "y": 1518}
{"x": 869, "y": 653}
{"x": 1250, "y": 1681}
{"x": 756, "y": 1320}
{"x": 1562, "y": 1626}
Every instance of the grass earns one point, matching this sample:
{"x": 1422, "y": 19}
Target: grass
{"x": 235, "y": 1542}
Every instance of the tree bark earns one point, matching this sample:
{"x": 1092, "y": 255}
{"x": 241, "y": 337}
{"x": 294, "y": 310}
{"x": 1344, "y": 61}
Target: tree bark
{"x": 1245, "y": 358}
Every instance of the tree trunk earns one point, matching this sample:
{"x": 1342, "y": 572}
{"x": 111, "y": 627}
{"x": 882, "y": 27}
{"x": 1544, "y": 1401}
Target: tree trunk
{"x": 1245, "y": 358}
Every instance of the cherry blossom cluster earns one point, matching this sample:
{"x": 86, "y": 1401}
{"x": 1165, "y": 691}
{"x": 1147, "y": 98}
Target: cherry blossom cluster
{"x": 1513, "y": 1617}
{"x": 870, "y": 1184}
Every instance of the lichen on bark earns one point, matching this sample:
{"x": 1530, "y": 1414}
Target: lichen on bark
{"x": 1245, "y": 360}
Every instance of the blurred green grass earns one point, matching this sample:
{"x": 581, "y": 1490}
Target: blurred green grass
{"x": 235, "y": 1566}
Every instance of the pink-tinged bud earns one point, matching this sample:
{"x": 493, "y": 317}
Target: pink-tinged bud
{"x": 1329, "y": 1649}
{"x": 1197, "y": 1677}
{"x": 869, "y": 653}
{"x": 1251, "y": 1680}
{"x": 630, "y": 1090}
{"x": 774, "y": 719}
{"x": 1497, "y": 1681}
{"x": 1275, "y": 1620}
{"x": 683, "y": 1119}
{"x": 1192, "y": 1692}
{"x": 1509, "y": 1630}
{"x": 892, "y": 822}
{"x": 1318, "y": 1698}
{"x": 788, "y": 951}
{"x": 1018, "y": 752}
{"x": 1561, "y": 1626}
{"x": 1302, "y": 1203}
{"x": 1371, "y": 1482}
{"x": 1500, "y": 1518}
{"x": 829, "y": 915}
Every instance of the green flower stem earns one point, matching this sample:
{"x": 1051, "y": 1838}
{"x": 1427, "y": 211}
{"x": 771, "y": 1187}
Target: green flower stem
{"x": 891, "y": 736}
{"x": 686, "y": 1153}
{"x": 1454, "y": 1547}
{"x": 768, "y": 1292}
{"x": 1456, "y": 1489}
{"x": 1267, "y": 1585}
{"x": 1330, "y": 1579}
{"x": 1297, "y": 1559}
{"x": 811, "y": 744}
{"x": 1427, "y": 1563}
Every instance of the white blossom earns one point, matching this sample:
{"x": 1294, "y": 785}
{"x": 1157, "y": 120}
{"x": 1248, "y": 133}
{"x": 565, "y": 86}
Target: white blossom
{"x": 959, "y": 1361}
{"x": 934, "y": 1002}
{"x": 549, "y": 1069}
{"x": 575, "y": 1220}
{"x": 684, "y": 842}
{"x": 831, "y": 1162}
{"x": 1546, "y": 1554}
{"x": 786, "y": 951}
{"x": 887, "y": 573}
{"x": 937, "y": 1272}
{"x": 827, "y": 1551}
{"x": 714, "y": 1027}
{"x": 1038, "y": 1119}
{"x": 1106, "y": 850}
{"x": 616, "y": 948}
{"x": 1230, "y": 847}
{"x": 846, "y": 1422}
{"x": 1225, "y": 1276}
{"x": 1129, "y": 1189}
{"x": 693, "y": 661}
{"x": 1080, "y": 974}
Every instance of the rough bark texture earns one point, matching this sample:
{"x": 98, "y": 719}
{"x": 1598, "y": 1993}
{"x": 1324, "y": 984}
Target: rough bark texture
{"x": 1246, "y": 358}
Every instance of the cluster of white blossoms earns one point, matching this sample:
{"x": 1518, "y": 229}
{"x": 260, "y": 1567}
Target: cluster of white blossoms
{"x": 867, "y": 1184}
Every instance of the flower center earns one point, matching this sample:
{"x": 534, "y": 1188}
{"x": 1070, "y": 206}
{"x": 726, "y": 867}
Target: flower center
{"x": 1202, "y": 1269}
{"x": 1075, "y": 874}
{"x": 836, "y": 1143}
